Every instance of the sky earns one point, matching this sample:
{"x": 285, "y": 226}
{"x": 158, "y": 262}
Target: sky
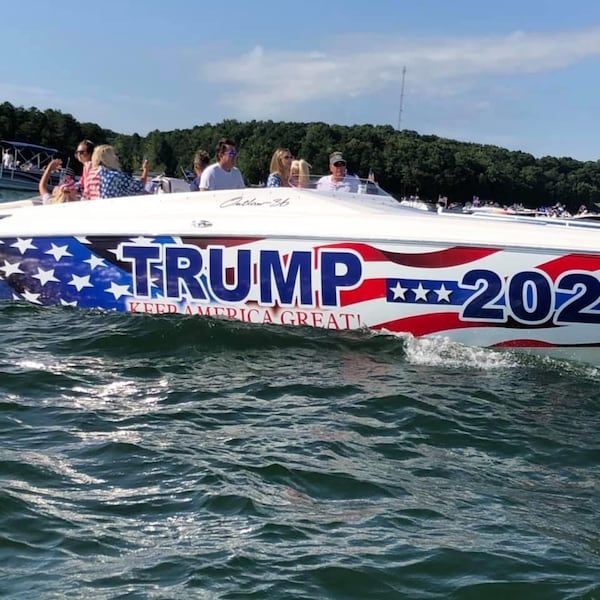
{"x": 523, "y": 75}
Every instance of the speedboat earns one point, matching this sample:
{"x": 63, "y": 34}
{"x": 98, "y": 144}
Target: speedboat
{"x": 303, "y": 257}
{"x": 24, "y": 164}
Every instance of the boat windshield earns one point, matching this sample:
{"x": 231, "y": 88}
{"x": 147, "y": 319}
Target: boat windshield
{"x": 349, "y": 183}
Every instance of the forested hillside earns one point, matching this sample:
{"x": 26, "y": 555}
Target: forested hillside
{"x": 404, "y": 162}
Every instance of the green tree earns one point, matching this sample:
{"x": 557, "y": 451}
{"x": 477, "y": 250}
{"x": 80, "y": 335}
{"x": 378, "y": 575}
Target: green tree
{"x": 404, "y": 162}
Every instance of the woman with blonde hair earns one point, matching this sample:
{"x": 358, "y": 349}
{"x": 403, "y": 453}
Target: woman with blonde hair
{"x": 106, "y": 180}
{"x": 299, "y": 173}
{"x": 280, "y": 168}
{"x": 64, "y": 192}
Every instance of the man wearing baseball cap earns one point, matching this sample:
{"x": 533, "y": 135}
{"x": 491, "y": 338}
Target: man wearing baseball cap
{"x": 339, "y": 180}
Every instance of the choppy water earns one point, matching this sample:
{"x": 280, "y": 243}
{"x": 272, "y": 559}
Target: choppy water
{"x": 174, "y": 458}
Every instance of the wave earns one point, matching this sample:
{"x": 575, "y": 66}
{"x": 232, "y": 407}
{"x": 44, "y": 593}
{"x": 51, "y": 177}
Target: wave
{"x": 63, "y": 331}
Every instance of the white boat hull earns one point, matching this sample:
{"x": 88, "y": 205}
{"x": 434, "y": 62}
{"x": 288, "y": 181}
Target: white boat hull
{"x": 298, "y": 257}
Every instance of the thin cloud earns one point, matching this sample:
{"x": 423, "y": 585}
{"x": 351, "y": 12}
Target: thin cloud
{"x": 26, "y": 95}
{"x": 123, "y": 110}
{"x": 267, "y": 83}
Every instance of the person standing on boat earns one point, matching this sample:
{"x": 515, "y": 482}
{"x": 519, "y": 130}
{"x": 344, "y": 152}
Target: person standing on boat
{"x": 8, "y": 161}
{"x": 83, "y": 154}
{"x": 281, "y": 163}
{"x": 339, "y": 180}
{"x": 201, "y": 161}
{"x": 106, "y": 180}
{"x": 223, "y": 175}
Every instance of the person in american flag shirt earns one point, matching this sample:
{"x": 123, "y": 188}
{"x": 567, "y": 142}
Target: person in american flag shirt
{"x": 107, "y": 180}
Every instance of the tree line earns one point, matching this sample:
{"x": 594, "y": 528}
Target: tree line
{"x": 404, "y": 162}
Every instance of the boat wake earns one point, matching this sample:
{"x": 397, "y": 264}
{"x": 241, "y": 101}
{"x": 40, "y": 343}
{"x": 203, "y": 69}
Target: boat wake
{"x": 445, "y": 353}
{"x": 109, "y": 335}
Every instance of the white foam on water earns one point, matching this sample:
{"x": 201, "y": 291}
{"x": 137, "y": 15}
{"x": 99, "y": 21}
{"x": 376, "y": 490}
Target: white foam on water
{"x": 439, "y": 351}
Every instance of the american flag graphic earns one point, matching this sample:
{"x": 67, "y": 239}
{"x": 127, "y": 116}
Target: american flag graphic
{"x": 424, "y": 293}
{"x": 69, "y": 271}
{"x": 470, "y": 294}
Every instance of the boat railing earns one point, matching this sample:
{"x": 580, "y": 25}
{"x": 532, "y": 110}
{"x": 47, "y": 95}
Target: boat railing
{"x": 33, "y": 176}
{"x": 23, "y": 164}
{"x": 350, "y": 183}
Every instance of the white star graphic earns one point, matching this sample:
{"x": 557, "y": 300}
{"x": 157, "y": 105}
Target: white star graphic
{"x": 10, "y": 269}
{"x": 95, "y": 261}
{"x": 31, "y": 297}
{"x": 80, "y": 282}
{"x": 141, "y": 240}
{"x": 58, "y": 251}
{"x": 82, "y": 239}
{"x": 118, "y": 290}
{"x": 65, "y": 303}
{"x": 443, "y": 294}
{"x": 421, "y": 293}
{"x": 23, "y": 245}
{"x": 45, "y": 276}
{"x": 398, "y": 291}
{"x": 156, "y": 280}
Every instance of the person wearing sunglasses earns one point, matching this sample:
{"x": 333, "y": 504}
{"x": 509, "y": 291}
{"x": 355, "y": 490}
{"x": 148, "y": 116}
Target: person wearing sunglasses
{"x": 223, "y": 175}
{"x": 83, "y": 154}
{"x": 281, "y": 163}
{"x": 339, "y": 180}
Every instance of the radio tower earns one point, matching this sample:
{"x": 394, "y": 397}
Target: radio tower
{"x": 401, "y": 98}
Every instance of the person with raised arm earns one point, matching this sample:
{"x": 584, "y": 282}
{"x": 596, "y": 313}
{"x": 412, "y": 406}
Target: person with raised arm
{"x": 64, "y": 192}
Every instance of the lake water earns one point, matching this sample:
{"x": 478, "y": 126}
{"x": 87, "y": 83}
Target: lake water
{"x": 181, "y": 457}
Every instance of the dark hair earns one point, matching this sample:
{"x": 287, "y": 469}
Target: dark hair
{"x": 89, "y": 146}
{"x": 221, "y": 145}
{"x": 201, "y": 158}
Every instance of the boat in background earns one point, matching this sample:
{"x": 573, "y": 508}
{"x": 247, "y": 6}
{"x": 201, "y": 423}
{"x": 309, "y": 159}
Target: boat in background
{"x": 335, "y": 260}
{"x": 418, "y": 204}
{"x": 503, "y": 211}
{"x": 23, "y": 165}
